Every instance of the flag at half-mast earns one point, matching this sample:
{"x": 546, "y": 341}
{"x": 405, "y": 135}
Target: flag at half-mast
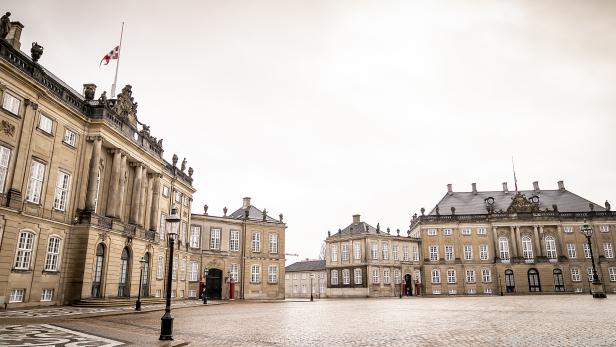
{"x": 113, "y": 54}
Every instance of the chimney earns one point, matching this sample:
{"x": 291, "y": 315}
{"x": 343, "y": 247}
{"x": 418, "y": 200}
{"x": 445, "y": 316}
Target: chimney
{"x": 505, "y": 189}
{"x": 561, "y": 185}
{"x": 474, "y": 185}
{"x": 14, "y": 35}
{"x": 246, "y": 202}
{"x": 356, "y": 219}
{"x": 449, "y": 189}
{"x": 536, "y": 186}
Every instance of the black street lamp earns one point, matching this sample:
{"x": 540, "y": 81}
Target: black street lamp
{"x": 166, "y": 322}
{"x": 205, "y": 272}
{"x": 597, "y": 288}
{"x": 311, "y": 296}
{"x": 138, "y": 303}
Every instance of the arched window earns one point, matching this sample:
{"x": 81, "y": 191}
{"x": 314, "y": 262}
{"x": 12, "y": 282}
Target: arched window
{"x": 358, "y": 276}
{"x": 436, "y": 276}
{"x": 509, "y": 281}
{"x": 53, "y": 254}
{"x": 527, "y": 248}
{"x": 503, "y": 248}
{"x": 24, "y": 250}
{"x": 98, "y": 270}
{"x": 550, "y": 247}
{"x": 334, "y": 277}
{"x": 346, "y": 276}
{"x": 123, "y": 285}
{"x": 534, "y": 285}
{"x": 559, "y": 282}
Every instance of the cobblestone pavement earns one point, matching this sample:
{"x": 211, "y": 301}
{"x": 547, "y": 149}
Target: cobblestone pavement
{"x": 543, "y": 320}
{"x": 49, "y": 335}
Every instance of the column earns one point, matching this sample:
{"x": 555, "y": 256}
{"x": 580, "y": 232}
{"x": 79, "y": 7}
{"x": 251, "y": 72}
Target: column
{"x": 542, "y": 241}
{"x": 15, "y": 181}
{"x": 93, "y": 173}
{"x": 114, "y": 183}
{"x": 537, "y": 242}
{"x": 155, "y": 202}
{"x": 495, "y": 239}
{"x": 514, "y": 243}
{"x": 518, "y": 241}
{"x": 134, "y": 206}
{"x": 122, "y": 187}
{"x": 145, "y": 183}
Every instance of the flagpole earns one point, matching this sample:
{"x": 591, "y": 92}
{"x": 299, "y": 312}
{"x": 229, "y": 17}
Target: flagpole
{"x": 515, "y": 180}
{"x": 115, "y": 79}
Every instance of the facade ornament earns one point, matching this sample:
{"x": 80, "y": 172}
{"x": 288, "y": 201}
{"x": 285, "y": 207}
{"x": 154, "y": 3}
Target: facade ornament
{"x": 183, "y": 167}
{"x": 160, "y": 143}
{"x": 489, "y": 202}
{"x": 591, "y": 206}
{"x": 414, "y": 215}
{"x": 453, "y": 210}
{"x": 126, "y": 107}
{"x": 388, "y": 230}
{"x": 246, "y": 214}
{"x": 5, "y": 25}
{"x": 329, "y": 233}
{"x": 103, "y": 98}
{"x": 36, "y": 51}
{"x": 89, "y": 89}
{"x": 174, "y": 160}
{"x": 555, "y": 207}
{"x": 339, "y": 230}
{"x": 205, "y": 207}
{"x": 378, "y": 228}
{"x": 607, "y": 206}
{"x": 224, "y": 211}
{"x": 423, "y": 211}
{"x": 398, "y": 231}
{"x": 190, "y": 172}
{"x": 264, "y": 214}
{"x": 519, "y": 203}
{"x": 437, "y": 210}
{"x": 280, "y": 216}
{"x": 7, "y": 128}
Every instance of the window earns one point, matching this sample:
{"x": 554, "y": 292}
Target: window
{"x": 589, "y": 272}
{"x": 386, "y": 276}
{"x": 374, "y": 251}
{"x": 453, "y": 291}
{"x": 571, "y": 251}
{"x": 405, "y": 253}
{"x": 5, "y": 156}
{"x": 273, "y": 243}
{"x": 575, "y": 274}
{"x": 604, "y": 228}
{"x": 346, "y": 276}
{"x": 183, "y": 270}
{"x": 235, "y": 272}
{"x": 45, "y": 123}
{"x": 447, "y": 232}
{"x": 433, "y": 253}
{"x": 436, "y": 276}
{"x": 527, "y": 248}
{"x": 47, "y": 294}
{"x": 165, "y": 191}
{"x": 195, "y": 233}
{"x": 344, "y": 252}
{"x": 158, "y": 293}
{"x": 178, "y": 197}
{"x": 448, "y": 252}
{"x": 466, "y": 231}
{"x": 163, "y": 224}
{"x": 358, "y": 276}
{"x": 415, "y": 253}
{"x": 17, "y": 295}
{"x": 334, "y": 278}
{"x": 174, "y": 269}
{"x": 451, "y": 276}
{"x": 550, "y": 247}
{"x": 183, "y": 232}
{"x": 59, "y": 202}
{"x": 471, "y": 291}
{"x": 53, "y": 253}
{"x": 193, "y": 272}
{"x": 69, "y": 137}
{"x": 470, "y": 276}
{"x": 568, "y": 229}
{"x": 334, "y": 252}
{"x": 215, "y": 238}
{"x": 608, "y": 250}
{"x": 272, "y": 274}
{"x": 37, "y": 172}
{"x": 256, "y": 242}
{"x": 385, "y": 250}
{"x": 394, "y": 252}
{"x": 11, "y": 103}
{"x": 24, "y": 250}
{"x": 481, "y": 231}
{"x": 375, "y": 276}
{"x": 255, "y": 274}
{"x": 357, "y": 250}
{"x": 486, "y": 275}
{"x": 586, "y": 251}
{"x": 234, "y": 240}
{"x": 612, "y": 272}
{"x": 192, "y": 293}
{"x": 503, "y": 248}
{"x": 468, "y": 252}
{"x": 322, "y": 288}
{"x": 483, "y": 252}
{"x": 431, "y": 231}
{"x": 397, "y": 276}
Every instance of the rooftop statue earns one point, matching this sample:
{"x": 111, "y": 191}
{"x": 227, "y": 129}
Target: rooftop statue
{"x": 5, "y": 25}
{"x": 126, "y": 107}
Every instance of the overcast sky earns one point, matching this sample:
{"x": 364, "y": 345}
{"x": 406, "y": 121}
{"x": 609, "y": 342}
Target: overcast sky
{"x": 324, "y": 109}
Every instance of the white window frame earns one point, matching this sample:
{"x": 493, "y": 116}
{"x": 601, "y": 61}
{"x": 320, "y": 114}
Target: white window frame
{"x": 436, "y": 276}
{"x": 45, "y": 123}
{"x": 470, "y": 276}
{"x": 568, "y": 229}
{"x": 358, "y": 276}
{"x": 571, "y": 252}
{"x": 608, "y": 250}
{"x": 604, "y": 228}
{"x": 174, "y": 268}
{"x": 256, "y": 242}
{"x": 334, "y": 252}
{"x": 527, "y": 248}
{"x": 215, "y": 238}
{"x": 375, "y": 276}
{"x": 431, "y": 232}
{"x": 234, "y": 240}
{"x": 415, "y": 252}
{"x": 35, "y": 182}
{"x": 550, "y": 247}
{"x": 11, "y": 103}
{"x": 346, "y": 277}
{"x": 165, "y": 191}
{"x": 481, "y": 231}
{"x": 397, "y": 276}
{"x": 374, "y": 250}
{"x": 394, "y": 252}
{"x": 503, "y": 248}
{"x": 486, "y": 275}
{"x": 447, "y": 232}
{"x": 483, "y": 252}
{"x": 183, "y": 270}
{"x": 47, "y": 294}
{"x": 344, "y": 251}
{"x": 357, "y": 250}
{"x": 334, "y": 277}
{"x": 25, "y": 249}
{"x": 183, "y": 228}
{"x": 62, "y": 191}
{"x": 234, "y": 272}
{"x": 17, "y": 295}
{"x": 272, "y": 274}
{"x": 405, "y": 253}
{"x": 612, "y": 273}
{"x": 195, "y": 236}
{"x": 586, "y": 250}
{"x": 449, "y": 253}
{"x": 70, "y": 137}
{"x": 5, "y": 159}
{"x": 385, "y": 250}
{"x": 52, "y": 260}
{"x": 386, "y": 277}
{"x": 255, "y": 273}
{"x": 193, "y": 271}
{"x": 466, "y": 231}
{"x": 468, "y": 252}
{"x": 451, "y": 276}
{"x": 433, "y": 252}
{"x": 273, "y": 243}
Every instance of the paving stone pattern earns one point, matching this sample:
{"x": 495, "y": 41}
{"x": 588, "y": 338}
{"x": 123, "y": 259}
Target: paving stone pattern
{"x": 50, "y": 335}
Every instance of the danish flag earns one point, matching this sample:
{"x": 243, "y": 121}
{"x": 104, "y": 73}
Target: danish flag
{"x": 113, "y": 54}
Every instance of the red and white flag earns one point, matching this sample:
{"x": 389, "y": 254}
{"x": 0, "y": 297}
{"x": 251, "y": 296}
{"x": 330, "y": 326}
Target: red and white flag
{"x": 113, "y": 54}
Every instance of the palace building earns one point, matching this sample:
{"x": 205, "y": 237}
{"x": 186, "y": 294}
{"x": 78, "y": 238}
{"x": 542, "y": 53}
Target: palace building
{"x": 514, "y": 242}
{"x": 364, "y": 261}
{"x": 304, "y": 278}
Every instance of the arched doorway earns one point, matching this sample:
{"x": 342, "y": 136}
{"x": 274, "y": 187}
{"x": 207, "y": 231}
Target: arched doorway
{"x": 408, "y": 285}
{"x": 213, "y": 284}
{"x": 97, "y": 275}
{"x": 509, "y": 281}
{"x": 534, "y": 285}
{"x": 124, "y": 284}
{"x": 559, "y": 282}
{"x": 145, "y": 286}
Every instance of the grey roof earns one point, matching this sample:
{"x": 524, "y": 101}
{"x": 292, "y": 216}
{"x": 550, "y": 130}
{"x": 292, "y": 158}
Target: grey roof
{"x": 309, "y": 265}
{"x": 361, "y": 228}
{"x": 473, "y": 203}
{"x": 254, "y": 214}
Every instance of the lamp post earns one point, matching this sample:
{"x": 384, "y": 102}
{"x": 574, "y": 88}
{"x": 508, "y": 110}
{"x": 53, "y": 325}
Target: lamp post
{"x": 311, "y": 296}
{"x": 138, "y": 303}
{"x": 166, "y": 322}
{"x": 597, "y": 288}
{"x": 205, "y": 272}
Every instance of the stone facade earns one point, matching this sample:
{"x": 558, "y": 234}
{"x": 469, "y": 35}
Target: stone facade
{"x": 305, "y": 276}
{"x": 246, "y": 247}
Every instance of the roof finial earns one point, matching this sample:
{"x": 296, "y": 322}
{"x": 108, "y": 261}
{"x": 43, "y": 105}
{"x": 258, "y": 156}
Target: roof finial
{"x": 264, "y": 214}
{"x": 224, "y": 211}
{"x": 378, "y": 228}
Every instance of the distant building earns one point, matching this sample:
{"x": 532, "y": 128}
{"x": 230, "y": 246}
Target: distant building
{"x": 364, "y": 261}
{"x": 305, "y": 277}
{"x": 491, "y": 242}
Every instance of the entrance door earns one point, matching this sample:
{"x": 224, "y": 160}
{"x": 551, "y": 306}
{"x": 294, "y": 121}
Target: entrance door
{"x": 98, "y": 271}
{"x": 123, "y": 286}
{"x": 408, "y": 285}
{"x": 509, "y": 281}
{"x": 533, "y": 281}
{"x": 213, "y": 284}
{"x": 559, "y": 283}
